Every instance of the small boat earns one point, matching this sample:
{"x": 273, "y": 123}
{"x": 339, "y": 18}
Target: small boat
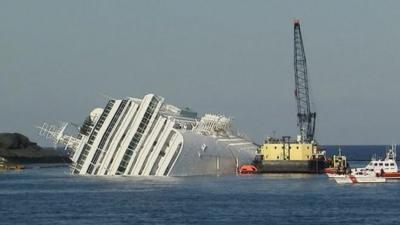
{"x": 6, "y": 165}
{"x": 335, "y": 175}
{"x": 359, "y": 177}
{"x": 337, "y": 165}
{"x": 386, "y": 168}
{"x": 247, "y": 169}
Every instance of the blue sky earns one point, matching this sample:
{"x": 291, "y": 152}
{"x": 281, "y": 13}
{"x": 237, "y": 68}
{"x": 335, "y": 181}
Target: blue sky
{"x": 57, "y": 58}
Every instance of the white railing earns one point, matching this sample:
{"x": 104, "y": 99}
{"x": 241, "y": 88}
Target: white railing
{"x": 56, "y": 134}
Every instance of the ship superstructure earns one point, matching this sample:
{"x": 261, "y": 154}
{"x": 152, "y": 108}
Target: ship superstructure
{"x": 149, "y": 137}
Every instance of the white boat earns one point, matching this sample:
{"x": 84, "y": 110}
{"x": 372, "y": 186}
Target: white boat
{"x": 334, "y": 175}
{"x": 359, "y": 177}
{"x": 386, "y": 168}
{"x": 338, "y": 165}
{"x": 142, "y": 137}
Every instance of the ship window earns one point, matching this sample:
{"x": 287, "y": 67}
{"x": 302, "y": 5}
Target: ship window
{"x": 375, "y": 164}
{"x": 392, "y": 164}
{"x": 386, "y": 164}
{"x": 297, "y": 147}
{"x": 381, "y": 164}
{"x": 275, "y": 147}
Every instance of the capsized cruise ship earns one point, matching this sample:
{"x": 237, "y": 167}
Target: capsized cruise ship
{"x": 140, "y": 137}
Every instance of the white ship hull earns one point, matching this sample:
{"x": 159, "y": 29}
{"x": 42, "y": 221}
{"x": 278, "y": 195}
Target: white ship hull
{"x": 221, "y": 156}
{"x": 334, "y": 175}
{"x": 146, "y": 137}
{"x": 349, "y": 179}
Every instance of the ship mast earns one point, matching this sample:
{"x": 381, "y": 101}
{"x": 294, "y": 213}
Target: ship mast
{"x": 305, "y": 118}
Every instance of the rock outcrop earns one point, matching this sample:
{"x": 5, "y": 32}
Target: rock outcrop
{"x": 18, "y": 148}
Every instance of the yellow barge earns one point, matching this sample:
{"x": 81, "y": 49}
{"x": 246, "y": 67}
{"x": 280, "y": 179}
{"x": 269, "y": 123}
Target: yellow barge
{"x": 286, "y": 156}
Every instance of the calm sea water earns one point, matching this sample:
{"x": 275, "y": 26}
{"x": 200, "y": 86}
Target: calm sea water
{"x": 51, "y": 195}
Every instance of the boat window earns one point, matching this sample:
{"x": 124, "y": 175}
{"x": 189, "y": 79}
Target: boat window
{"x": 375, "y": 164}
{"x": 392, "y": 164}
{"x": 381, "y": 164}
{"x": 386, "y": 164}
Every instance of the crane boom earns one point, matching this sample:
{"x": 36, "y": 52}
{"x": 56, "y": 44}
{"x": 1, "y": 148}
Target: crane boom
{"x": 305, "y": 118}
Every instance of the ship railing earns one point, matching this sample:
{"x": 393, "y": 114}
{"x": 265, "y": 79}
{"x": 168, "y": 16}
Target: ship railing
{"x": 52, "y": 132}
{"x": 56, "y": 134}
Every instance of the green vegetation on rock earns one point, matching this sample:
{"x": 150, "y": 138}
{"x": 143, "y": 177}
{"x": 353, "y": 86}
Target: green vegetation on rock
{"x": 18, "y": 148}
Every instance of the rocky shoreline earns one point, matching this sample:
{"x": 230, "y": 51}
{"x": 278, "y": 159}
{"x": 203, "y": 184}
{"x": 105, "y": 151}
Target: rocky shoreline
{"x": 17, "y": 149}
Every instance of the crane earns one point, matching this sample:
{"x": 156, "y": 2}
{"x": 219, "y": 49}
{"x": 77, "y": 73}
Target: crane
{"x": 305, "y": 118}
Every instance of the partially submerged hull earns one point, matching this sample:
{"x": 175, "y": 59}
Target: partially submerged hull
{"x": 205, "y": 155}
{"x": 142, "y": 137}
